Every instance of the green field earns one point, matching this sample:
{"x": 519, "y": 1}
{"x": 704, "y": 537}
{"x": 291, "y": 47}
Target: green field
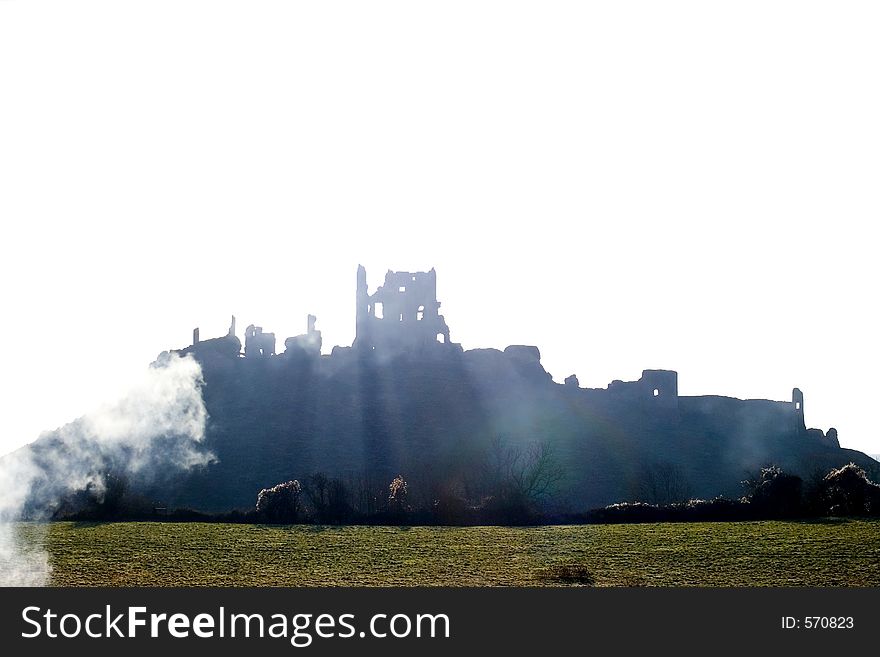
{"x": 831, "y": 553}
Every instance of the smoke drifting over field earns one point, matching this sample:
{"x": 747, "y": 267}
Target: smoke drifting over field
{"x": 157, "y": 426}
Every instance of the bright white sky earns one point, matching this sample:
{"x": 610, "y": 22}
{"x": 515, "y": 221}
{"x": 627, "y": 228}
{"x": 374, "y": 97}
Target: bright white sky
{"x": 627, "y": 185}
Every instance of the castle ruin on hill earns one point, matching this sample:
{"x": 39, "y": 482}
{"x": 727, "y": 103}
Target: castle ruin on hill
{"x": 402, "y": 316}
{"x": 405, "y": 398}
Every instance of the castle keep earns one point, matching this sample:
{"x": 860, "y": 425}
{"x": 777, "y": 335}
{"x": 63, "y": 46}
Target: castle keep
{"x": 401, "y": 313}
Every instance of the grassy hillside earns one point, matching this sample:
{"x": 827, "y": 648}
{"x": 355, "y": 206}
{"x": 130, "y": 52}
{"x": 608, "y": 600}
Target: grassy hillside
{"x": 830, "y": 553}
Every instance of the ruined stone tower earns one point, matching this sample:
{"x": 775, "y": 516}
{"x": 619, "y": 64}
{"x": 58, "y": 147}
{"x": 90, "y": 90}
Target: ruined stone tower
{"x": 403, "y": 312}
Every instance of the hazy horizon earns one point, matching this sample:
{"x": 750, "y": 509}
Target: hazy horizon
{"x": 676, "y": 187}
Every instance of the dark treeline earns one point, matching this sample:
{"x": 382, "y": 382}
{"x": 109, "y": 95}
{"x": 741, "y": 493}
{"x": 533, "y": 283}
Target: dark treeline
{"x": 508, "y": 485}
{"x": 515, "y": 487}
{"x": 770, "y": 494}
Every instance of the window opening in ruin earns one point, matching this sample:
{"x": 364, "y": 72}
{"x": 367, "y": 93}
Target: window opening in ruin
{"x": 797, "y": 406}
{"x": 401, "y": 317}
{"x": 656, "y": 392}
{"x": 420, "y": 315}
{"x": 441, "y": 338}
{"x": 377, "y": 310}
{"x": 401, "y": 289}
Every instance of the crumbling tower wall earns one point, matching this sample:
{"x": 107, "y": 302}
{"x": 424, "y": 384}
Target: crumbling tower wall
{"x": 403, "y": 312}
{"x": 797, "y": 400}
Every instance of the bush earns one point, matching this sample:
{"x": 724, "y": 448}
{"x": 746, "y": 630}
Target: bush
{"x": 848, "y": 491}
{"x": 450, "y": 509}
{"x": 775, "y": 494}
{"x": 108, "y": 499}
{"x": 716, "y": 509}
{"x": 281, "y": 503}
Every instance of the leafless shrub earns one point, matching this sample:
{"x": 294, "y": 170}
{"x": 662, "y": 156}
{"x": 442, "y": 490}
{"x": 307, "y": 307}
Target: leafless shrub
{"x": 662, "y": 483}
{"x": 527, "y": 474}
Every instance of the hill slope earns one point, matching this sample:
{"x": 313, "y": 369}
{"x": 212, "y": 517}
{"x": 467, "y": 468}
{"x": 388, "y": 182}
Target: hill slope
{"x": 433, "y": 416}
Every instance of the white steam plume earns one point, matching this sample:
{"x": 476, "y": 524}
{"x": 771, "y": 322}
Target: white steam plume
{"x": 156, "y": 427}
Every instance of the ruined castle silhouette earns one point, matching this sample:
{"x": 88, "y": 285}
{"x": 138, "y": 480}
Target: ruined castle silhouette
{"x": 405, "y": 398}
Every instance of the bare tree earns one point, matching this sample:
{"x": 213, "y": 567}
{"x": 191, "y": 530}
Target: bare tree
{"x": 527, "y": 475}
{"x": 368, "y": 492}
{"x": 317, "y": 490}
{"x": 538, "y": 474}
{"x": 338, "y": 505}
{"x": 662, "y": 483}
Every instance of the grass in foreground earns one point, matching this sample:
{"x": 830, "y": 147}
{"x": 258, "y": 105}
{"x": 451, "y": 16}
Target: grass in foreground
{"x": 830, "y": 553}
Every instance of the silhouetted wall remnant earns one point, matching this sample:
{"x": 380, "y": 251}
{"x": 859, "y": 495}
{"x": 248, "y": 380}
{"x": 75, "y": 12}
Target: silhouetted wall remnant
{"x": 524, "y": 353}
{"x": 819, "y": 435}
{"x": 228, "y": 346}
{"x": 652, "y": 385}
{"x": 309, "y": 343}
{"x": 403, "y": 313}
{"x": 831, "y": 436}
{"x": 797, "y": 400}
{"x": 655, "y": 392}
{"x": 660, "y": 388}
{"x": 527, "y": 361}
{"x": 258, "y": 344}
{"x": 572, "y": 381}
